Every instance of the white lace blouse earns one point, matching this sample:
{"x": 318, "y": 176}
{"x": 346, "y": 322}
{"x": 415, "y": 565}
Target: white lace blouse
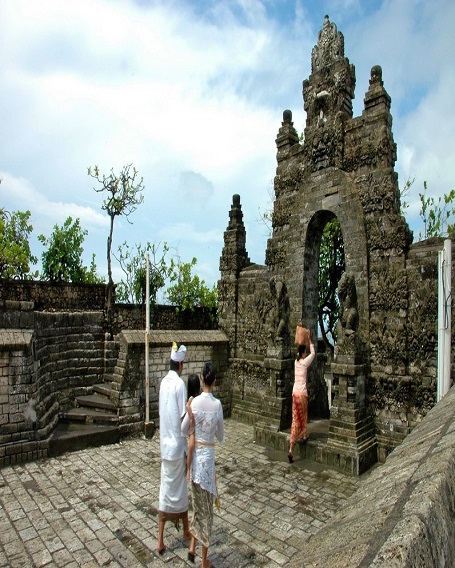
{"x": 208, "y": 418}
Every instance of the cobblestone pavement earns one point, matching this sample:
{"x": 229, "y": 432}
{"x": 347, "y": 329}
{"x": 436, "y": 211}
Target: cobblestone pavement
{"x": 98, "y": 507}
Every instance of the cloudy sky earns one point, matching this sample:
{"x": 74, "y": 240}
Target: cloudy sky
{"x": 191, "y": 92}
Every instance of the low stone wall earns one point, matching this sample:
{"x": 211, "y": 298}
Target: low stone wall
{"x": 128, "y": 379}
{"x": 60, "y": 296}
{"x": 54, "y": 295}
{"x": 131, "y": 316}
{"x": 402, "y": 515}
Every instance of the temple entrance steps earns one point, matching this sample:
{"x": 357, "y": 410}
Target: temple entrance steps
{"x": 251, "y": 409}
{"x": 318, "y": 448}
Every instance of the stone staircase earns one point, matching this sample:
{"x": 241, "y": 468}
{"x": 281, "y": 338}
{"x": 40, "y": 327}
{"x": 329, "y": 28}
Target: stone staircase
{"x": 93, "y": 420}
{"x": 95, "y": 408}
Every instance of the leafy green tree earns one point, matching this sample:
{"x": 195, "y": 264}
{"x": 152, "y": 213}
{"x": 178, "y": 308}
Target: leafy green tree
{"x": 133, "y": 264}
{"x": 16, "y": 258}
{"x": 436, "y": 214}
{"x": 188, "y": 291}
{"x": 123, "y": 195}
{"x": 331, "y": 268}
{"x": 62, "y": 261}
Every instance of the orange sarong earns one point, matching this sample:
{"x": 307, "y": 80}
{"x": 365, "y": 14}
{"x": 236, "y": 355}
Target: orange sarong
{"x": 299, "y": 416}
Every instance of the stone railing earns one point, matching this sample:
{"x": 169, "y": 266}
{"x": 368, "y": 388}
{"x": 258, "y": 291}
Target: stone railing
{"x": 402, "y": 515}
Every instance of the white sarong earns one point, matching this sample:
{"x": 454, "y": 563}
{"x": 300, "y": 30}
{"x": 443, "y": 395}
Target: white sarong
{"x": 173, "y": 501}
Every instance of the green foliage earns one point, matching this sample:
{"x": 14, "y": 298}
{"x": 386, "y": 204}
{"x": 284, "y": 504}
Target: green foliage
{"x": 188, "y": 291}
{"x": 133, "y": 264}
{"x": 62, "y": 261}
{"x": 404, "y": 193}
{"x": 15, "y": 254}
{"x": 436, "y": 214}
{"x": 331, "y": 267}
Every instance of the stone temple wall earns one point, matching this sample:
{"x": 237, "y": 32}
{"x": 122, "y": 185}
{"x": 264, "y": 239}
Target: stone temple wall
{"x": 48, "y": 357}
{"x": 201, "y": 345}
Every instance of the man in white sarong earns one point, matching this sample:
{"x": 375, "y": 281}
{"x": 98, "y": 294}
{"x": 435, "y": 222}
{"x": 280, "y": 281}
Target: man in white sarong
{"x": 173, "y": 501}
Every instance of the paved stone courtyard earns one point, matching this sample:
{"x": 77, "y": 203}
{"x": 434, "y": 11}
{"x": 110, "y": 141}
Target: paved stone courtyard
{"x": 98, "y": 507}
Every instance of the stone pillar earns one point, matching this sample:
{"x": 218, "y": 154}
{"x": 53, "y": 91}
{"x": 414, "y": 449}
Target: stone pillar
{"x": 352, "y": 442}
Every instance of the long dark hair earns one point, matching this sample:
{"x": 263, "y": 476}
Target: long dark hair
{"x": 301, "y": 352}
{"x": 194, "y": 385}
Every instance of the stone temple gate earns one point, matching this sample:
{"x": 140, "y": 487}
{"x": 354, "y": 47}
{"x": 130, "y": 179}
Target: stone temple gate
{"x": 383, "y": 375}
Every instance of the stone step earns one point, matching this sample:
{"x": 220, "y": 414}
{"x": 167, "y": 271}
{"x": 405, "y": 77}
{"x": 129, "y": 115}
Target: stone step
{"x": 72, "y": 437}
{"x": 103, "y": 388}
{"x": 89, "y": 416}
{"x": 95, "y": 401}
{"x": 253, "y": 406}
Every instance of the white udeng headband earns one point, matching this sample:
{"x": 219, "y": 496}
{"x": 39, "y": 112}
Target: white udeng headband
{"x": 178, "y": 353}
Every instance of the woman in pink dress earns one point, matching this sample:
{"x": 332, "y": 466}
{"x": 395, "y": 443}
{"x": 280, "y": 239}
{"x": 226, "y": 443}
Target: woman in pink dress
{"x": 300, "y": 398}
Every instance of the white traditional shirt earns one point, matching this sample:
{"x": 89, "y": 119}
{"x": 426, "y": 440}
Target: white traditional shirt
{"x": 209, "y": 423}
{"x": 172, "y": 402}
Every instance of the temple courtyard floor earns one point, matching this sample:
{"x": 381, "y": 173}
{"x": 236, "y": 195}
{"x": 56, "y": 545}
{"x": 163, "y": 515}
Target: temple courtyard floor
{"x": 98, "y": 507}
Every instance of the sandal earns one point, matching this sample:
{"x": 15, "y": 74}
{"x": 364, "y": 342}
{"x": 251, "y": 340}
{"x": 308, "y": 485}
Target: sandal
{"x": 290, "y": 458}
{"x": 191, "y": 556}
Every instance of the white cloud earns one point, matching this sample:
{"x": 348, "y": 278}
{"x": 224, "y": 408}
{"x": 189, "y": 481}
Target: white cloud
{"x": 192, "y": 94}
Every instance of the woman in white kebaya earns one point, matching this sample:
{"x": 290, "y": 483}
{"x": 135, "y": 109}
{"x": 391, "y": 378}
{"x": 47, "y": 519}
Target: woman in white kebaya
{"x": 208, "y": 425}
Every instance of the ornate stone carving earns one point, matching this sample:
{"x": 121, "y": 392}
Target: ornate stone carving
{"x": 388, "y": 287}
{"x": 275, "y": 258}
{"x": 348, "y": 322}
{"x": 387, "y": 347}
{"x": 289, "y": 180}
{"x": 422, "y": 333}
{"x": 281, "y": 214}
{"x": 278, "y": 319}
{"x": 248, "y": 378}
{"x": 401, "y": 398}
{"x": 324, "y": 144}
{"x": 330, "y": 46}
{"x": 263, "y": 322}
